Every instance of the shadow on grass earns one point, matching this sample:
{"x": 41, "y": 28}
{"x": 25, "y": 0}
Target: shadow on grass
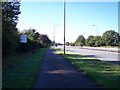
{"x": 106, "y": 73}
{"x": 114, "y": 62}
{"x": 89, "y": 58}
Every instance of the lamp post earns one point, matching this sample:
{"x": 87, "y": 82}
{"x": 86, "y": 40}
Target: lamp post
{"x": 96, "y": 29}
{"x": 54, "y": 33}
{"x": 64, "y": 25}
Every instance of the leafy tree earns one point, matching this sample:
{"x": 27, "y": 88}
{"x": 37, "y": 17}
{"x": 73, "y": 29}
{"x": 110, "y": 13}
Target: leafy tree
{"x": 44, "y": 40}
{"x": 67, "y": 43}
{"x": 72, "y": 44}
{"x": 119, "y": 44}
{"x": 36, "y": 36}
{"x": 31, "y": 34}
{"x": 111, "y": 38}
{"x": 98, "y": 41}
{"x": 35, "y": 39}
{"x": 10, "y": 38}
{"x": 102, "y": 42}
{"x": 80, "y": 41}
{"x": 10, "y": 12}
{"x": 90, "y": 41}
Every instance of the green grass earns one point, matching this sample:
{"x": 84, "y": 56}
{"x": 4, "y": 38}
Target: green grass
{"x": 23, "y": 70}
{"x": 105, "y": 73}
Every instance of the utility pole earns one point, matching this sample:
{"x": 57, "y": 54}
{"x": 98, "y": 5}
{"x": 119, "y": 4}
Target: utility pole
{"x": 54, "y": 33}
{"x": 64, "y": 25}
{"x": 96, "y": 29}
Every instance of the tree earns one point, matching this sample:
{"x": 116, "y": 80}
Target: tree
{"x": 80, "y": 41}
{"x": 32, "y": 34}
{"x": 72, "y": 44}
{"x": 44, "y": 40}
{"x": 90, "y": 41}
{"x": 67, "y": 43}
{"x": 119, "y": 44}
{"x": 98, "y": 41}
{"x": 36, "y": 36}
{"x": 10, "y": 12}
{"x": 111, "y": 38}
{"x": 10, "y": 37}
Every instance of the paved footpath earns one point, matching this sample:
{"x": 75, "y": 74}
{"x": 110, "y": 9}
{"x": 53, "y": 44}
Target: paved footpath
{"x": 57, "y": 73}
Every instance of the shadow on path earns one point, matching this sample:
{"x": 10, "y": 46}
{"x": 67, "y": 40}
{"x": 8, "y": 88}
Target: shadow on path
{"x": 57, "y": 73}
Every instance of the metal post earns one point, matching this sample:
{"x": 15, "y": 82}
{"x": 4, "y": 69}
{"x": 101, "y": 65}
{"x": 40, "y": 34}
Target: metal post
{"x": 54, "y": 33}
{"x": 96, "y": 29}
{"x": 64, "y": 26}
{"x": 1, "y": 45}
{"x": 54, "y": 36}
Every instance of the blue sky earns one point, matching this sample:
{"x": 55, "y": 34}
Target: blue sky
{"x": 80, "y": 18}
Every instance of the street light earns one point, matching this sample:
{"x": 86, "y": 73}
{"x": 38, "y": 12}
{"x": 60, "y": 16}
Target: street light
{"x": 54, "y": 33}
{"x": 96, "y": 29}
{"x": 64, "y": 25}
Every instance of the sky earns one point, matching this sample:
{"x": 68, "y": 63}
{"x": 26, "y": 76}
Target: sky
{"x": 48, "y": 18}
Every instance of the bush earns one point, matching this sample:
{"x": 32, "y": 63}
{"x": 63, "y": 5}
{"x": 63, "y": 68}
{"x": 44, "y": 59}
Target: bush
{"x": 9, "y": 42}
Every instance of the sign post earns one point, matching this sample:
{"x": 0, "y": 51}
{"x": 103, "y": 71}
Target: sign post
{"x": 64, "y": 24}
{"x": 23, "y": 41}
{"x": 23, "y": 38}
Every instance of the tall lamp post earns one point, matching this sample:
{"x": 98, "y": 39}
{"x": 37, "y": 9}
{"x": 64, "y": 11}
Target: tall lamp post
{"x": 96, "y": 29}
{"x": 64, "y": 25}
{"x": 54, "y": 33}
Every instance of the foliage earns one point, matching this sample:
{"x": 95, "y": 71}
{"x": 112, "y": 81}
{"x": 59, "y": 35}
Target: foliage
{"x": 23, "y": 70}
{"x": 35, "y": 40}
{"x": 72, "y": 44}
{"x": 90, "y": 41}
{"x": 44, "y": 40}
{"x": 10, "y": 34}
{"x": 67, "y": 43}
{"x": 109, "y": 38}
{"x": 98, "y": 41}
{"x": 80, "y": 41}
{"x": 10, "y": 12}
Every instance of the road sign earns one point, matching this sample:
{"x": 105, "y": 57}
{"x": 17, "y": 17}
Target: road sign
{"x": 23, "y": 38}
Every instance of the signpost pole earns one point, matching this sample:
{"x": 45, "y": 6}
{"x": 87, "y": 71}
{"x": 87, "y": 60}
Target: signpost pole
{"x": 64, "y": 26}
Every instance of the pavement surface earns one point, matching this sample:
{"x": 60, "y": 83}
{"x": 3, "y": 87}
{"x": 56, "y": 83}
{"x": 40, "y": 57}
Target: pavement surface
{"x": 57, "y": 73}
{"x": 90, "y": 52}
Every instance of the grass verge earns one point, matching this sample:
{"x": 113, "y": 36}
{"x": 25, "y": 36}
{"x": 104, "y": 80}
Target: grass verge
{"x": 105, "y": 73}
{"x": 23, "y": 71}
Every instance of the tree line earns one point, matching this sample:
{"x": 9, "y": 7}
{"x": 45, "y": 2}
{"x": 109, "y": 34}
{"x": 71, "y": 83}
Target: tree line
{"x": 109, "y": 38}
{"x": 11, "y": 34}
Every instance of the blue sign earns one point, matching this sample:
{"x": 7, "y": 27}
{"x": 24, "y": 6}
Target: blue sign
{"x": 23, "y": 38}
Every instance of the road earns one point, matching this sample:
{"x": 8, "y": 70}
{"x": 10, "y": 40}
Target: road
{"x": 102, "y": 55}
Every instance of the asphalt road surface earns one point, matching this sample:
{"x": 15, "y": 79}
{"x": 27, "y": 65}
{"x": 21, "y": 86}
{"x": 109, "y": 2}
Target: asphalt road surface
{"x": 102, "y": 55}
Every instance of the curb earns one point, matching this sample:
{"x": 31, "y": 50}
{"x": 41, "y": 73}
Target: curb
{"x": 117, "y": 51}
